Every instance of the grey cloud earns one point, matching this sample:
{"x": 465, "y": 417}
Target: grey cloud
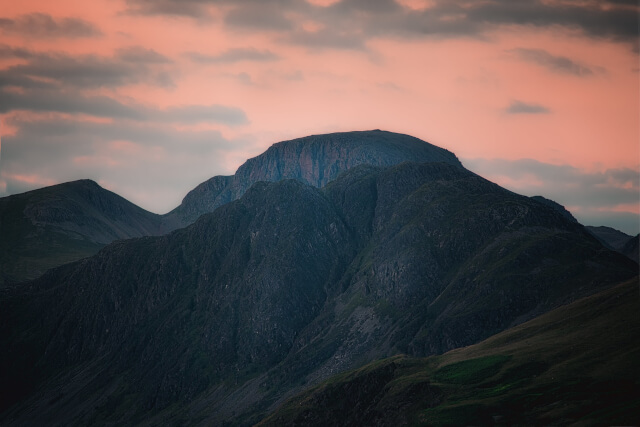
{"x": 75, "y": 102}
{"x": 560, "y": 64}
{"x": 7, "y": 51}
{"x": 326, "y": 39}
{"x": 71, "y": 102}
{"x": 234, "y": 55}
{"x": 359, "y": 20}
{"x": 40, "y": 25}
{"x": 189, "y": 8}
{"x": 258, "y": 16}
{"x": 594, "y": 194}
{"x": 206, "y": 113}
{"x": 519, "y": 107}
{"x": 129, "y": 66}
{"x": 141, "y": 55}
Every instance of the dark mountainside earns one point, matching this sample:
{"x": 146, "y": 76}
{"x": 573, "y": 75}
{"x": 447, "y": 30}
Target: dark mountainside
{"x": 557, "y": 206}
{"x": 51, "y": 226}
{"x": 564, "y": 367}
{"x": 609, "y": 237}
{"x": 630, "y": 248}
{"x": 283, "y": 288}
{"x": 314, "y": 160}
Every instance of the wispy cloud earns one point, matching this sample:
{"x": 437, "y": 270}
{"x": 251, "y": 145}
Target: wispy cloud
{"x": 519, "y": 107}
{"x": 559, "y": 64}
{"x": 234, "y": 55}
{"x": 41, "y": 25}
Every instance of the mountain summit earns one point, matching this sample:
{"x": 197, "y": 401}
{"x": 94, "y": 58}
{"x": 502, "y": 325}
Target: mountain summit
{"x": 314, "y": 160}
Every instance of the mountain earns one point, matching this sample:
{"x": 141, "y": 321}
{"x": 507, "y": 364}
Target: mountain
{"x": 609, "y": 237}
{"x": 284, "y": 287}
{"x": 314, "y": 160}
{"x": 557, "y": 206}
{"x": 51, "y": 226}
{"x": 576, "y": 365}
{"x": 630, "y": 249}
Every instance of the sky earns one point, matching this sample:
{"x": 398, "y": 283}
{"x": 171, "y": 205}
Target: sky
{"x": 151, "y": 97}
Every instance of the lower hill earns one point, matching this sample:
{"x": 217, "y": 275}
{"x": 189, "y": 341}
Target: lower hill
{"x": 576, "y": 365}
{"x": 277, "y": 291}
{"x": 51, "y": 226}
{"x": 610, "y": 237}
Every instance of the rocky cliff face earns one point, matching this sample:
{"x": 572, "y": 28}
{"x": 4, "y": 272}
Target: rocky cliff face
{"x": 62, "y": 223}
{"x": 284, "y": 287}
{"x": 314, "y": 160}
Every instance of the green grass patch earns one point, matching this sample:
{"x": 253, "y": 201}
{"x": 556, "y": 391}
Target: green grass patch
{"x": 471, "y": 371}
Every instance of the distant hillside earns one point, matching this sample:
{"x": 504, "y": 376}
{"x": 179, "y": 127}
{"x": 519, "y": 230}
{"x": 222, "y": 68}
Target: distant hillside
{"x": 610, "y": 237}
{"x": 630, "y": 248}
{"x": 282, "y": 288}
{"x": 576, "y": 365}
{"x": 51, "y": 226}
{"x": 315, "y": 160}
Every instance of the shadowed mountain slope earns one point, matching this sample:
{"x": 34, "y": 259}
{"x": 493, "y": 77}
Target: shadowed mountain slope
{"x": 48, "y": 227}
{"x": 314, "y": 160}
{"x": 630, "y": 248}
{"x": 576, "y": 364}
{"x": 610, "y": 237}
{"x": 283, "y": 288}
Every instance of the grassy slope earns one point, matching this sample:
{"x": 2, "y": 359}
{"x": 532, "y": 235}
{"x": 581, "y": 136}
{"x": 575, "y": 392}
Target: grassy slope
{"x": 27, "y": 251}
{"x": 576, "y": 364}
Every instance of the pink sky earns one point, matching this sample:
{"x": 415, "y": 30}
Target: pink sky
{"x": 151, "y": 97}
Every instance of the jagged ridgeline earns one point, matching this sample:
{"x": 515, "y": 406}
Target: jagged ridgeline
{"x": 289, "y": 284}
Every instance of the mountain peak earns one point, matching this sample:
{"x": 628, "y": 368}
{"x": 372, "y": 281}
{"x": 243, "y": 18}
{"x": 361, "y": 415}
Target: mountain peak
{"x": 315, "y": 160}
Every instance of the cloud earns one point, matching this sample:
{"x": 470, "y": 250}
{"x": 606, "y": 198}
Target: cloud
{"x": 195, "y": 9}
{"x": 41, "y": 25}
{"x": 139, "y": 54}
{"x": 258, "y": 16}
{"x": 72, "y": 102}
{"x": 322, "y": 39}
{"x": 76, "y": 102}
{"x": 603, "y": 196}
{"x": 519, "y": 107}
{"x": 233, "y": 56}
{"x": 230, "y": 116}
{"x": 559, "y": 64}
{"x": 88, "y": 71}
{"x": 152, "y": 163}
{"x": 358, "y": 21}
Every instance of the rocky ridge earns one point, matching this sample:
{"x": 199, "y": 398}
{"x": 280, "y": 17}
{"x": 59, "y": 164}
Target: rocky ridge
{"x": 315, "y": 160}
